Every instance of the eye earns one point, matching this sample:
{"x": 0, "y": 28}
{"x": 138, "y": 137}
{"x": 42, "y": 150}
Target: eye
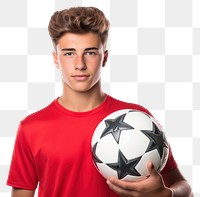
{"x": 90, "y": 53}
{"x": 69, "y": 54}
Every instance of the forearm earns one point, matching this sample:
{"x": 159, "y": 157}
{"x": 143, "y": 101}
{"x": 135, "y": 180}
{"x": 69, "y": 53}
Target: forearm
{"x": 22, "y": 193}
{"x": 181, "y": 189}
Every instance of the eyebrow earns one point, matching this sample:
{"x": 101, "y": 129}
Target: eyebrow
{"x": 86, "y": 49}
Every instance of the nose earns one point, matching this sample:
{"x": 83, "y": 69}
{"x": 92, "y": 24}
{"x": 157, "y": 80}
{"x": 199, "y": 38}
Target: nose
{"x": 80, "y": 63}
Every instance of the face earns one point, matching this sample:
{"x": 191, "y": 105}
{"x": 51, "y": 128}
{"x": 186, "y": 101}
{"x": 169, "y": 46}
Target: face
{"x": 80, "y": 57}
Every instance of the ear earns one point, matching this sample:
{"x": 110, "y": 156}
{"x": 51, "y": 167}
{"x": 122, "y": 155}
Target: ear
{"x": 105, "y": 58}
{"x": 55, "y": 59}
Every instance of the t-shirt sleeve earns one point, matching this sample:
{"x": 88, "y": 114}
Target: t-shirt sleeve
{"x": 22, "y": 172}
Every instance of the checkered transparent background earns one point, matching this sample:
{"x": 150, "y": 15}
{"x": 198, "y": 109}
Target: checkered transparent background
{"x": 154, "y": 60}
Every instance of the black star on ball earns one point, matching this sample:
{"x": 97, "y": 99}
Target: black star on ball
{"x": 115, "y": 126}
{"x": 124, "y": 166}
{"x": 157, "y": 139}
{"x": 95, "y": 157}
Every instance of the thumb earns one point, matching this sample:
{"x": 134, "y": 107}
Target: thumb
{"x": 151, "y": 169}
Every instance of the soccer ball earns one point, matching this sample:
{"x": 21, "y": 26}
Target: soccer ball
{"x": 125, "y": 141}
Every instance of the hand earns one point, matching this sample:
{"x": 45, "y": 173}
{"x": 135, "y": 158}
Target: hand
{"x": 152, "y": 186}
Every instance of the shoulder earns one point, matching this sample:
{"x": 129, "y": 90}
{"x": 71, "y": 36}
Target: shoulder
{"x": 37, "y": 125}
{"x": 43, "y": 114}
{"x": 115, "y": 103}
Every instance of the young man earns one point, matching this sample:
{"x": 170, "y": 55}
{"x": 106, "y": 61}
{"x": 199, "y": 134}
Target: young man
{"x": 53, "y": 145}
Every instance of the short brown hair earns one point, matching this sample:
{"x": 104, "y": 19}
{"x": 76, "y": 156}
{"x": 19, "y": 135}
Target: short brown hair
{"x": 78, "y": 20}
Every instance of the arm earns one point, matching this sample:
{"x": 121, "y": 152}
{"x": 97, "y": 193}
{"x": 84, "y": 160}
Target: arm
{"x": 177, "y": 183}
{"x": 22, "y": 193}
{"x": 22, "y": 175}
{"x": 171, "y": 184}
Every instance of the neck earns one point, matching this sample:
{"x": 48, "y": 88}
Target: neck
{"x": 82, "y": 101}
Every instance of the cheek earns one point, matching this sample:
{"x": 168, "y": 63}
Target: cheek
{"x": 66, "y": 61}
{"x": 65, "y": 65}
{"x": 95, "y": 64}
{"x": 65, "y": 71}
{"x": 97, "y": 73}
{"x": 96, "y": 59}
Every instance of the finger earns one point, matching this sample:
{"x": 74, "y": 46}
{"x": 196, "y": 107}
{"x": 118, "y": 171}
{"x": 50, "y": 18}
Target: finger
{"x": 123, "y": 184}
{"x": 151, "y": 169}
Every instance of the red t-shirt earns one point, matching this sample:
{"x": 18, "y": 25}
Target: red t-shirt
{"x": 53, "y": 149}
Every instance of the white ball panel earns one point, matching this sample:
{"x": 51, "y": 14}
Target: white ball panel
{"x": 133, "y": 143}
{"x": 138, "y": 120}
{"x": 152, "y": 156}
{"x": 107, "y": 149}
{"x": 106, "y": 171}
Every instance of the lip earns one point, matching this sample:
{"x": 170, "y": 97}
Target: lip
{"x": 80, "y": 77}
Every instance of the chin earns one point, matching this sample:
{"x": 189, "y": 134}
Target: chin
{"x": 81, "y": 88}
{"x": 86, "y": 90}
